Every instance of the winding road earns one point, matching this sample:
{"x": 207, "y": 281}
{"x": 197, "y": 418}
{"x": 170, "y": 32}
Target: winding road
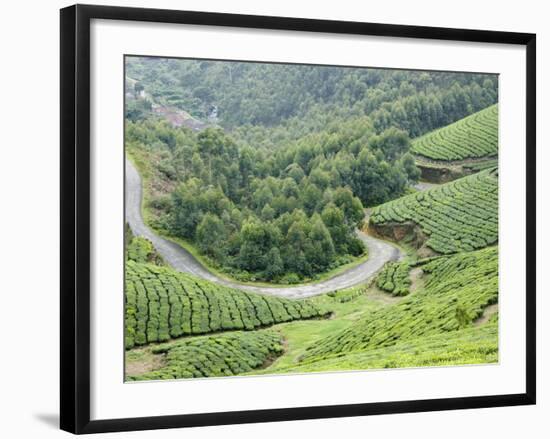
{"x": 180, "y": 259}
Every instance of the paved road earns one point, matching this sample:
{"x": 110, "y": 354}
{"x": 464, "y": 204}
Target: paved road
{"x": 180, "y": 259}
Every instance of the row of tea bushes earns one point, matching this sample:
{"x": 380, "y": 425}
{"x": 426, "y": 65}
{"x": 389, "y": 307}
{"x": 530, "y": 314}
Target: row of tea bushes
{"x": 474, "y": 136}
{"x": 162, "y": 304}
{"x": 473, "y": 345}
{"x": 456, "y": 291}
{"x": 458, "y": 216}
{"x": 232, "y": 353}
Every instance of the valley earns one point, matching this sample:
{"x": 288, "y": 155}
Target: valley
{"x": 309, "y": 219}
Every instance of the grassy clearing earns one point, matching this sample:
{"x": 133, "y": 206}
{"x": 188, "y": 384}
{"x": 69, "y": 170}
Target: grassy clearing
{"x": 299, "y": 336}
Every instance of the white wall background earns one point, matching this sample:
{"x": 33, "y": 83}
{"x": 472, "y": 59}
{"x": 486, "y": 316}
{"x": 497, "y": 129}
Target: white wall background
{"x": 29, "y": 187}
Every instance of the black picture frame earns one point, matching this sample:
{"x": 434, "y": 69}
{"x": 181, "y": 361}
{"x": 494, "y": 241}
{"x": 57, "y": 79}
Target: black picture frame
{"x": 75, "y": 217}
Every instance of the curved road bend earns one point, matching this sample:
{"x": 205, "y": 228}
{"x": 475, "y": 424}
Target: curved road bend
{"x": 180, "y": 259}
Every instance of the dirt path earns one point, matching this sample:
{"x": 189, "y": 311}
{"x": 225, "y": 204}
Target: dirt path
{"x": 488, "y": 312}
{"x": 424, "y": 185}
{"x": 417, "y": 281}
{"x": 180, "y": 259}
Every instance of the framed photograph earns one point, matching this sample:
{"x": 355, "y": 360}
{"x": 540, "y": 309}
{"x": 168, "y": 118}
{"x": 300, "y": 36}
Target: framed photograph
{"x": 268, "y": 219}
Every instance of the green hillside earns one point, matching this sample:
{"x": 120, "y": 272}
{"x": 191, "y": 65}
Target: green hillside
{"x": 472, "y": 137}
{"x": 457, "y": 290}
{"x": 227, "y": 354}
{"x": 476, "y": 345}
{"x": 450, "y": 319}
{"x": 308, "y": 179}
{"x": 299, "y": 98}
{"x": 458, "y": 216}
{"x": 162, "y": 304}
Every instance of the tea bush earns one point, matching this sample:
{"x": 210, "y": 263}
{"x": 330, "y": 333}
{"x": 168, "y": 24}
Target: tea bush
{"x": 394, "y": 278}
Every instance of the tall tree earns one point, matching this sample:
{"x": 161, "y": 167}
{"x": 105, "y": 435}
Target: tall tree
{"x": 211, "y": 236}
{"x": 320, "y": 249}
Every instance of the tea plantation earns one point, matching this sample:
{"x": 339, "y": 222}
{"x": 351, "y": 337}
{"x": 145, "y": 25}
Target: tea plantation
{"x": 394, "y": 278}
{"x": 162, "y": 304}
{"x": 474, "y": 136}
{"x": 437, "y": 324}
{"x": 458, "y": 216}
{"x": 480, "y": 166}
{"x": 475, "y": 345}
{"x": 456, "y": 291}
{"x": 140, "y": 249}
{"x": 227, "y": 354}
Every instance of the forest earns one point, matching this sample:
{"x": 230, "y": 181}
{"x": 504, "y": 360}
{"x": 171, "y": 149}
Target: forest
{"x": 302, "y": 98}
{"x": 334, "y": 141}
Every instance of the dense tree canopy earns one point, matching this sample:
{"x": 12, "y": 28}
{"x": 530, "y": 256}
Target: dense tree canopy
{"x": 275, "y": 188}
{"x": 292, "y": 213}
{"x": 293, "y": 99}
